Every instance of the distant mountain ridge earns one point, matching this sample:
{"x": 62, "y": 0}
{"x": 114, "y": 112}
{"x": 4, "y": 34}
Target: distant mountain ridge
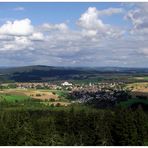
{"x": 44, "y": 67}
{"x": 43, "y": 73}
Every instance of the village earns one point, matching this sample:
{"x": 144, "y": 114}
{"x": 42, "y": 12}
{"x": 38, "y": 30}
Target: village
{"x": 91, "y": 87}
{"x": 78, "y": 93}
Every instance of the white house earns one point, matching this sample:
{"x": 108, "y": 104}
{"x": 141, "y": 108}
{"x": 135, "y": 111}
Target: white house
{"x": 66, "y": 84}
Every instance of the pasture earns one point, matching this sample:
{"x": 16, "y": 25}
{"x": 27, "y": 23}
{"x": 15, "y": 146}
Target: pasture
{"x": 12, "y": 97}
{"x": 43, "y": 96}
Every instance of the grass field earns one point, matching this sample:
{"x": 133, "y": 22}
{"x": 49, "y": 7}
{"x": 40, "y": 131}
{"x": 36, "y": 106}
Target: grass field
{"x": 12, "y": 98}
{"x": 39, "y": 96}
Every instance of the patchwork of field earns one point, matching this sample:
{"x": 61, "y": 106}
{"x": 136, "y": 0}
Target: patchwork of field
{"x": 47, "y": 97}
{"x": 139, "y": 92}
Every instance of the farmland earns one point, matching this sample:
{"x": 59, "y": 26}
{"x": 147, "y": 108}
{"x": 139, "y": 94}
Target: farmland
{"x": 47, "y": 97}
{"x": 70, "y": 107}
{"x": 139, "y": 87}
{"x": 12, "y": 98}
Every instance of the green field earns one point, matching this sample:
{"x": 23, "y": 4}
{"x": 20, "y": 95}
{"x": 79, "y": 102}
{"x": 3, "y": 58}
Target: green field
{"x": 12, "y": 98}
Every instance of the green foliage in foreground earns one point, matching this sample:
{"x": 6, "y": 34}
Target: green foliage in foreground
{"x": 73, "y": 126}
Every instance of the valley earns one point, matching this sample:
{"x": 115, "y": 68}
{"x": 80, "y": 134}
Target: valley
{"x": 56, "y": 100}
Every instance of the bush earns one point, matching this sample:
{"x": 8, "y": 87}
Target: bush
{"x": 52, "y": 100}
{"x": 58, "y": 105}
{"x": 38, "y": 95}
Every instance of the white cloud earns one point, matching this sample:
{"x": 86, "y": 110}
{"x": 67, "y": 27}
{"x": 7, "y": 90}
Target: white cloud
{"x": 61, "y": 27}
{"x": 89, "y": 33}
{"x": 17, "y": 28}
{"x": 19, "y": 43}
{"x": 133, "y": 16}
{"x": 92, "y": 25}
{"x": 94, "y": 42}
{"x": 110, "y": 11}
{"x": 5, "y": 38}
{"x": 90, "y": 20}
{"x": 144, "y": 51}
{"x": 19, "y": 9}
{"x": 37, "y": 36}
{"x": 139, "y": 18}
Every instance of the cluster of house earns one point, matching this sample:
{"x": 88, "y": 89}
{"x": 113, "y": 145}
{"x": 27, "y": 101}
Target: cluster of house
{"x": 98, "y": 87}
{"x": 27, "y": 85}
{"x": 85, "y": 96}
{"x": 67, "y": 85}
{"x": 105, "y": 93}
{"x": 101, "y": 95}
{"x": 83, "y": 92}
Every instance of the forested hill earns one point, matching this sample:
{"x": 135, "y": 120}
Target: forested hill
{"x": 40, "y": 72}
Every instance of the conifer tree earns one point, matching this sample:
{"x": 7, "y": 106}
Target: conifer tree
{"x": 140, "y": 125}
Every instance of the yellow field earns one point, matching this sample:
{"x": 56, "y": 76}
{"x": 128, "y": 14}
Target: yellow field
{"x": 46, "y": 96}
{"x": 140, "y": 87}
{"x": 35, "y": 94}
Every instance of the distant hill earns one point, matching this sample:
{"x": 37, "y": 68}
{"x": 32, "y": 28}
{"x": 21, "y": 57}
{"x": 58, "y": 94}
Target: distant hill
{"x": 44, "y": 73}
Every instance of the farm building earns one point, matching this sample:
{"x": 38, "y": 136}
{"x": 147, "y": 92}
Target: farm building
{"x": 66, "y": 84}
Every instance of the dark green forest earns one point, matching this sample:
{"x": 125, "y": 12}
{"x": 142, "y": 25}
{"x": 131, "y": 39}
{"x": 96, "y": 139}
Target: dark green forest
{"x": 74, "y": 127}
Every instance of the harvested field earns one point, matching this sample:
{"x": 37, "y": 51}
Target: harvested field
{"x": 35, "y": 94}
{"x": 139, "y": 87}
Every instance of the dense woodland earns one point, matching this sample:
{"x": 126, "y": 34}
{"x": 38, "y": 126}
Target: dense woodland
{"x": 74, "y": 127}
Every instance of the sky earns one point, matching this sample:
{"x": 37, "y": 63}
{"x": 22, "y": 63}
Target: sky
{"x": 74, "y": 34}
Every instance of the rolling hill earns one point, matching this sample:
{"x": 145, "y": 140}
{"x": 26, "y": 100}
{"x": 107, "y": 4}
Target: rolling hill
{"x": 45, "y": 73}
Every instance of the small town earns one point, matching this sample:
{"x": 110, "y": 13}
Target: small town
{"x": 79, "y": 93}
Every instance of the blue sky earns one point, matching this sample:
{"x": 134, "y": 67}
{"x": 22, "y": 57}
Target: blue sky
{"x": 74, "y": 34}
{"x": 54, "y": 12}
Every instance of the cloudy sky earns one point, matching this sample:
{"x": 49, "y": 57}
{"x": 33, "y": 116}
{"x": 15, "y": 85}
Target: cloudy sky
{"x": 74, "y": 34}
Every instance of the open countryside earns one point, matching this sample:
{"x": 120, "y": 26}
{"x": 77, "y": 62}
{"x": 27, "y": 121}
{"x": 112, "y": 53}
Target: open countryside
{"x": 65, "y": 101}
{"x": 73, "y": 74}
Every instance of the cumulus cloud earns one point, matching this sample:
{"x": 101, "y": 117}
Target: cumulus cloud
{"x": 19, "y": 35}
{"x": 18, "y": 43}
{"x": 139, "y": 18}
{"x": 17, "y": 27}
{"x": 92, "y": 25}
{"x": 90, "y": 20}
{"x": 92, "y": 42}
{"x": 37, "y": 36}
{"x": 50, "y": 27}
